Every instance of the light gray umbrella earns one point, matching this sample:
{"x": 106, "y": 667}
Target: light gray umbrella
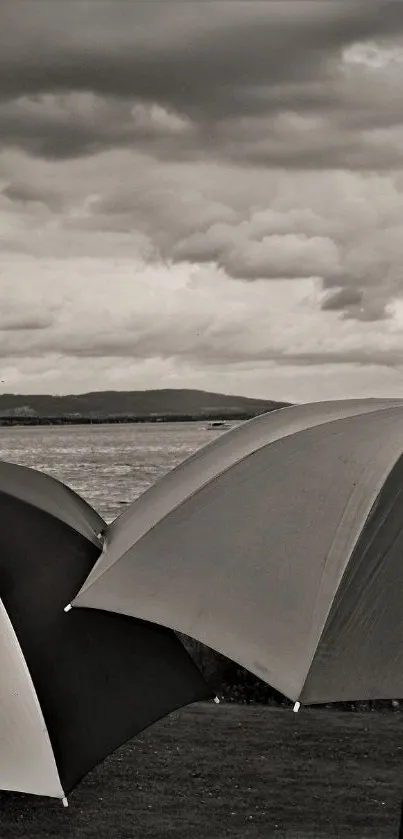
{"x": 279, "y": 545}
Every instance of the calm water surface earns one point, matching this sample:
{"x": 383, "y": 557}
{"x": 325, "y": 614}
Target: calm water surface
{"x": 109, "y": 465}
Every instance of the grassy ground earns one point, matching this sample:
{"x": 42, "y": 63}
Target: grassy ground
{"x": 233, "y": 771}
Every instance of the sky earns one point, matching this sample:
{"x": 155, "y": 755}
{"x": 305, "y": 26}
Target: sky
{"x": 202, "y": 195}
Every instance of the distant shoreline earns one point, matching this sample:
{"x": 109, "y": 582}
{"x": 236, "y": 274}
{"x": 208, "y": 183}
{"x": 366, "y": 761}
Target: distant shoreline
{"x": 46, "y": 421}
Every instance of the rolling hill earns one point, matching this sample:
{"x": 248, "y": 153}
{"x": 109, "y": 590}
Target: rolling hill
{"x": 132, "y": 405}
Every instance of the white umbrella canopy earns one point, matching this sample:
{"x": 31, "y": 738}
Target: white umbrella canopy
{"x": 279, "y": 545}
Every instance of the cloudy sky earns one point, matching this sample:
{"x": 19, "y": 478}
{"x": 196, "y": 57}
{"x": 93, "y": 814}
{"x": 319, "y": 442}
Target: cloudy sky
{"x": 202, "y": 194}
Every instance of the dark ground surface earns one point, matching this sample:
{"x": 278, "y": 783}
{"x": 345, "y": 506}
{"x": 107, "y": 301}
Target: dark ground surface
{"x": 234, "y": 771}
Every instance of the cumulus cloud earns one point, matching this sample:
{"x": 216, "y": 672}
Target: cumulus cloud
{"x": 342, "y": 228}
{"x": 273, "y": 257}
{"x": 214, "y": 191}
{"x": 203, "y": 319}
{"x": 345, "y": 230}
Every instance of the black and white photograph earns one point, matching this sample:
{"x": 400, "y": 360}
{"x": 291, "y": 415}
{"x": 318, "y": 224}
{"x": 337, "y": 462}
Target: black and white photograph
{"x": 201, "y": 419}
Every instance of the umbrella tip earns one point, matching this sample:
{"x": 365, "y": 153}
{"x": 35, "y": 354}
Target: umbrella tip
{"x": 65, "y": 802}
{"x": 68, "y": 608}
{"x": 216, "y": 700}
{"x": 296, "y": 707}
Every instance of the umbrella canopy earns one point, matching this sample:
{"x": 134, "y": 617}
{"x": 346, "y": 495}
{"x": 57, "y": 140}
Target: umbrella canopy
{"x": 279, "y": 545}
{"x": 73, "y": 687}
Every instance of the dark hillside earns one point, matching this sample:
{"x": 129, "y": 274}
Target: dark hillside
{"x": 132, "y": 404}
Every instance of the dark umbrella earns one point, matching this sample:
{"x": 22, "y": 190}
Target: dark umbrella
{"x": 73, "y": 687}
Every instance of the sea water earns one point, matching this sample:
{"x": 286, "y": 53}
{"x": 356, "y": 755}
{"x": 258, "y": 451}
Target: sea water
{"x": 108, "y": 465}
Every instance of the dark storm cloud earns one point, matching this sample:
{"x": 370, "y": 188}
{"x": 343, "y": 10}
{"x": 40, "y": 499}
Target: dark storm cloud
{"x": 209, "y": 62}
{"x": 28, "y": 193}
{"x": 22, "y": 192}
{"x": 78, "y": 124}
{"x": 352, "y": 303}
{"x": 27, "y": 323}
{"x": 187, "y": 54}
{"x": 55, "y": 132}
{"x": 363, "y": 357}
{"x": 342, "y": 299}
